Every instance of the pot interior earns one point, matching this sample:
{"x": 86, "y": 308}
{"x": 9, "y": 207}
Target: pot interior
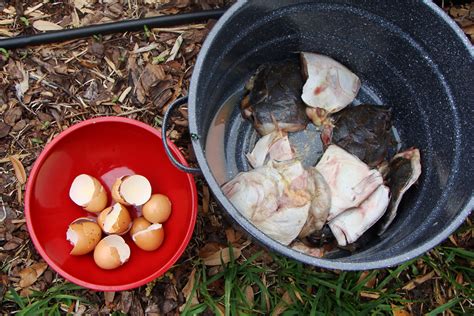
{"x": 407, "y": 57}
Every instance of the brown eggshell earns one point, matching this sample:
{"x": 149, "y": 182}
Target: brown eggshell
{"x": 116, "y": 192}
{"x": 99, "y": 200}
{"x": 88, "y": 235}
{"x": 122, "y": 223}
{"x": 149, "y": 240}
{"x": 106, "y": 254}
{"x": 139, "y": 224}
{"x": 157, "y": 209}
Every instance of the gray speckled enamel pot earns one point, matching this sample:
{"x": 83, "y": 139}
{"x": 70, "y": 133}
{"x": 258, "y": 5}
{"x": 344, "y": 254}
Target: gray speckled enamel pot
{"x": 408, "y": 55}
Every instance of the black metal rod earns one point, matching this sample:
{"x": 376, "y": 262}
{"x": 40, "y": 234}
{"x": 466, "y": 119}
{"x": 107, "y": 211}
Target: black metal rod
{"x": 109, "y": 28}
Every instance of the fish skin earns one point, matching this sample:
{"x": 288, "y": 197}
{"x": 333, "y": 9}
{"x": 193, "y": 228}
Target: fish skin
{"x": 350, "y": 180}
{"x": 400, "y": 181}
{"x": 348, "y": 226}
{"x": 273, "y": 98}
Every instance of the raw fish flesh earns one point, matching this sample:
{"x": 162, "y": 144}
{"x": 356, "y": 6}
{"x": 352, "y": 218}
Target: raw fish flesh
{"x": 350, "y": 180}
{"x": 329, "y": 86}
{"x": 348, "y": 226}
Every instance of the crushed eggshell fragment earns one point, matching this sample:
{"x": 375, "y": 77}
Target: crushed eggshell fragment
{"x": 87, "y": 192}
{"x": 111, "y": 252}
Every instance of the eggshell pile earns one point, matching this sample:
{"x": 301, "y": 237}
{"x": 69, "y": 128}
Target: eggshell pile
{"x": 112, "y": 251}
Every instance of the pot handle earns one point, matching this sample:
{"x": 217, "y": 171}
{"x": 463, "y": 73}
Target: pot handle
{"x": 164, "y": 139}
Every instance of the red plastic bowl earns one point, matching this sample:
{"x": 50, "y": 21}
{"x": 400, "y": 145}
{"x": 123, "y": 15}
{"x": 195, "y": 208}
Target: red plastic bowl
{"x": 106, "y": 148}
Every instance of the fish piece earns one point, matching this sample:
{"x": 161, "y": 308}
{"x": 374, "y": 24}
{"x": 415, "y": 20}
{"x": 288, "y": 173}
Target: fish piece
{"x": 404, "y": 171}
{"x": 321, "y": 237}
{"x": 285, "y": 224}
{"x": 320, "y": 203}
{"x": 255, "y": 193}
{"x": 350, "y": 180}
{"x": 312, "y": 251}
{"x": 295, "y": 192}
{"x": 274, "y": 146}
{"x": 329, "y": 86}
{"x": 273, "y": 98}
{"x": 348, "y": 226}
{"x": 364, "y": 131}
{"x": 273, "y": 198}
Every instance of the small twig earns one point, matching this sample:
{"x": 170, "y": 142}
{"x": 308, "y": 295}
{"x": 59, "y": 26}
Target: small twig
{"x": 7, "y": 159}
{"x": 133, "y": 111}
{"x": 4, "y": 210}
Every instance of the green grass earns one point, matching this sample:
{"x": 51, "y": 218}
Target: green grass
{"x": 307, "y": 290}
{"x": 322, "y": 292}
{"x": 45, "y": 303}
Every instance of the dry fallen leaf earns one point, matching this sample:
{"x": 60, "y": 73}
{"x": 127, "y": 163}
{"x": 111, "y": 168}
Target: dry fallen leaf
{"x": 222, "y": 256}
{"x": 250, "y": 296}
{"x": 220, "y": 310}
{"x": 42, "y": 25}
{"x": 149, "y": 77}
{"x": 4, "y": 129}
{"x": 230, "y": 234}
{"x": 209, "y": 248}
{"x": 371, "y": 295}
{"x": 19, "y": 193}
{"x": 187, "y": 292}
{"x": 175, "y": 49}
{"x": 399, "y": 311}
{"x": 459, "y": 278}
{"x": 283, "y": 304}
{"x": 23, "y": 85}
{"x": 30, "y": 274}
{"x": 109, "y": 299}
{"x": 26, "y": 292}
{"x": 419, "y": 280}
{"x": 19, "y": 169}
{"x": 205, "y": 199}
{"x": 469, "y": 29}
{"x": 265, "y": 294}
{"x": 363, "y": 279}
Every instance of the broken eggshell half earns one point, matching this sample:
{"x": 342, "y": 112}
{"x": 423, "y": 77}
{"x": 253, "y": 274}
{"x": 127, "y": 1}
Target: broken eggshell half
{"x": 111, "y": 252}
{"x": 131, "y": 190}
{"x": 115, "y": 219}
{"x": 87, "y": 192}
{"x": 147, "y": 236}
{"x": 84, "y": 234}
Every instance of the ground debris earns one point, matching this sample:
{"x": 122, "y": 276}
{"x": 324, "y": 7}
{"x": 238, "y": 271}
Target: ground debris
{"x": 46, "y": 89}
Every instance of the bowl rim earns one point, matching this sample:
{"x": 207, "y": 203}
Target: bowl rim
{"x": 28, "y": 197}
